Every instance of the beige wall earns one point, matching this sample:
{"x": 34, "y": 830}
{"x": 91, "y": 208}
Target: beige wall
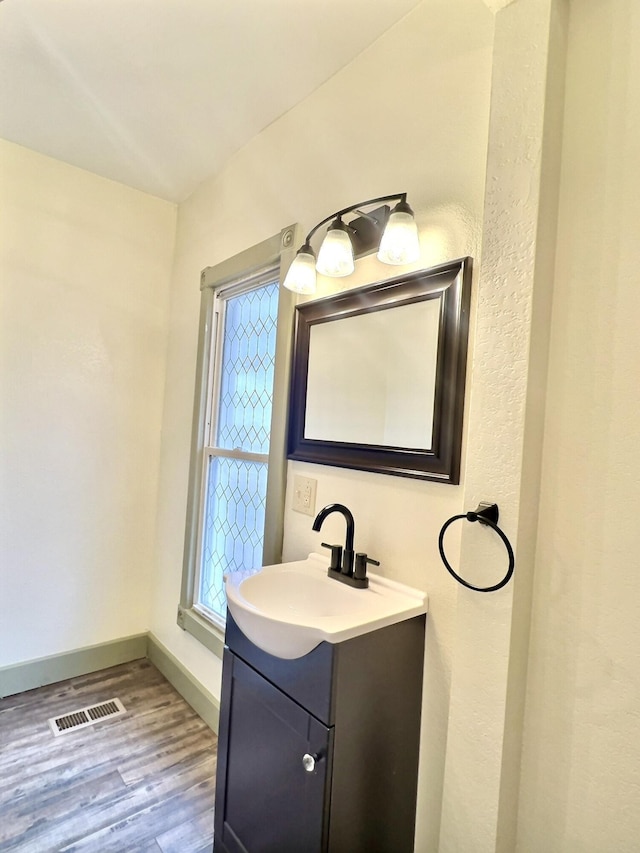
{"x": 581, "y": 763}
{"x": 471, "y": 82}
{"x": 412, "y": 114}
{"x": 84, "y": 271}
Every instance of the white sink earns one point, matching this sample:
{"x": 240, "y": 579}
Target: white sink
{"x": 290, "y": 608}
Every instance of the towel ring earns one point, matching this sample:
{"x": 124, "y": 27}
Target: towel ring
{"x": 486, "y": 514}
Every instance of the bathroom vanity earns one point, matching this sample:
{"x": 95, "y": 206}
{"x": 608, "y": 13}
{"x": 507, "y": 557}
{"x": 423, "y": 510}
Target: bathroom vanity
{"x": 319, "y": 753}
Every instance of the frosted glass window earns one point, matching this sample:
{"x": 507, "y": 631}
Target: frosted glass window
{"x": 244, "y": 418}
{"x": 233, "y": 524}
{"x": 232, "y": 533}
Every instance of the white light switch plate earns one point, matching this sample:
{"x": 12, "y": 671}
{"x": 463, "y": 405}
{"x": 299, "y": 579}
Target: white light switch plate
{"x": 304, "y": 495}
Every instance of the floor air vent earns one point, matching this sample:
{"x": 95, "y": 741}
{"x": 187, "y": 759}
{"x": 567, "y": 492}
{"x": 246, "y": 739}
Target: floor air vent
{"x": 86, "y": 717}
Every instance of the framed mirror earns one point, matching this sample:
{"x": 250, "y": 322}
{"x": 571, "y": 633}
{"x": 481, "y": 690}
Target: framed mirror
{"x": 378, "y": 375}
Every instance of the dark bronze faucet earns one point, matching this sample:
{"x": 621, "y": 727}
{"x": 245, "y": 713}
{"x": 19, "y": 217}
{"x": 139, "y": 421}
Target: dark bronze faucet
{"x": 343, "y": 567}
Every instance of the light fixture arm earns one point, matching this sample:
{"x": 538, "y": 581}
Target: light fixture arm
{"x": 402, "y": 197}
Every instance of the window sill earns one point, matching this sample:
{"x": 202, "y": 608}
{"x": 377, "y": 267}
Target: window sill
{"x": 204, "y": 631}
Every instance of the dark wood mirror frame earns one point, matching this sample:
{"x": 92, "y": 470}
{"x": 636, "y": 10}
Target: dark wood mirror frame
{"x": 451, "y": 284}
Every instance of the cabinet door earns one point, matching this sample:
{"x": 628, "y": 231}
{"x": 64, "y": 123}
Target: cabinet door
{"x": 266, "y": 801}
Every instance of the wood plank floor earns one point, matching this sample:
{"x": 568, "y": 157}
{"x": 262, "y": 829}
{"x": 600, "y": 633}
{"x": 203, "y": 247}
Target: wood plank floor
{"x": 138, "y": 783}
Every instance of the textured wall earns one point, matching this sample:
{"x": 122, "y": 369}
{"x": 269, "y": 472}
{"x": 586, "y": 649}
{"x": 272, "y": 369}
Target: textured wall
{"x": 581, "y": 767}
{"x": 505, "y": 422}
{"x": 84, "y": 270}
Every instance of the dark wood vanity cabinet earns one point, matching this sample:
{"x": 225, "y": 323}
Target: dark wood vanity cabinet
{"x": 320, "y": 754}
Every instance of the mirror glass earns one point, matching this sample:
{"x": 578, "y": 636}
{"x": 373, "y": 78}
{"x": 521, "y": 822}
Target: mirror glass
{"x": 378, "y": 375}
{"x": 379, "y": 369}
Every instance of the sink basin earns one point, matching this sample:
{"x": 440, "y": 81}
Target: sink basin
{"x": 290, "y": 608}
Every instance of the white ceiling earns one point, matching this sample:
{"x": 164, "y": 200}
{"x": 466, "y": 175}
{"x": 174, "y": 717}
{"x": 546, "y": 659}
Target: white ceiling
{"x": 158, "y": 94}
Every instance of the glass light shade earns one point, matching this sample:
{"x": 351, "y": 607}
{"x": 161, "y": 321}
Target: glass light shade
{"x": 301, "y": 277}
{"x": 400, "y": 243}
{"x": 335, "y": 257}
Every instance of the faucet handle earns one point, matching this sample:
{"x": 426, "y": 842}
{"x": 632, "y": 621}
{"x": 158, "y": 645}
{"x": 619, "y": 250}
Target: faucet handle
{"x": 336, "y": 556}
{"x": 360, "y": 569}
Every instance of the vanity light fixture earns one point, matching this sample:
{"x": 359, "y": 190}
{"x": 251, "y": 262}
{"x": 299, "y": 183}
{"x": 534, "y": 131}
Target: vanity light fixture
{"x": 393, "y": 233}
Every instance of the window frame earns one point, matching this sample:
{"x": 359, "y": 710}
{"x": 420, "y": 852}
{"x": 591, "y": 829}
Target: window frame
{"x": 222, "y": 295}
{"x": 272, "y": 258}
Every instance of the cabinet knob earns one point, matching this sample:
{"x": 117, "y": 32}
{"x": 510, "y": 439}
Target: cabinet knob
{"x": 309, "y": 762}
